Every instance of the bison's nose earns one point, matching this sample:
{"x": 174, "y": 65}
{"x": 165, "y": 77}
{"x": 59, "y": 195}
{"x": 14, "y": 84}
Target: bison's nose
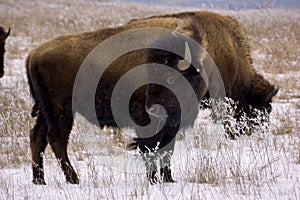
{"x": 157, "y": 111}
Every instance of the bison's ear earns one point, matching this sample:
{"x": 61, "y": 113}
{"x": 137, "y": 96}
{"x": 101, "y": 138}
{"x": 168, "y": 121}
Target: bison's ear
{"x": 186, "y": 62}
{"x": 7, "y": 34}
{"x": 271, "y": 95}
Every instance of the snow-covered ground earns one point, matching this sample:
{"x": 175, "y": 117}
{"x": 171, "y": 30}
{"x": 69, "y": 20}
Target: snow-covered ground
{"x": 206, "y": 165}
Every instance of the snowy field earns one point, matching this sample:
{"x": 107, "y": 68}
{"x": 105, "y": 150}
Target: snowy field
{"x": 206, "y": 165}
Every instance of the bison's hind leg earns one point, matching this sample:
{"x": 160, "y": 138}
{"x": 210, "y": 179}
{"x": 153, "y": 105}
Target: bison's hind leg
{"x": 38, "y": 143}
{"x": 58, "y": 137}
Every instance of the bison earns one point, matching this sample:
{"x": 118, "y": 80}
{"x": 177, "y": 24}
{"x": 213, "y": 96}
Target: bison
{"x": 52, "y": 68}
{"x": 3, "y": 36}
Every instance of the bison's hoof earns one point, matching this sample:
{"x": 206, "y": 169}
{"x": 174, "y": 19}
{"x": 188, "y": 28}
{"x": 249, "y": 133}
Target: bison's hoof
{"x": 153, "y": 177}
{"x": 167, "y": 175}
{"x": 73, "y": 180}
{"x": 168, "y": 180}
{"x": 39, "y": 181}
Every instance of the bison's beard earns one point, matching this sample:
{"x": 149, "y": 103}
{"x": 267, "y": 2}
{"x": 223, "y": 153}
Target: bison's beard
{"x": 174, "y": 116}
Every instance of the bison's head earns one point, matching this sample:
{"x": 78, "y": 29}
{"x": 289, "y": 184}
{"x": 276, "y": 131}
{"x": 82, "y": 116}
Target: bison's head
{"x": 186, "y": 67}
{"x": 3, "y": 36}
{"x": 261, "y": 94}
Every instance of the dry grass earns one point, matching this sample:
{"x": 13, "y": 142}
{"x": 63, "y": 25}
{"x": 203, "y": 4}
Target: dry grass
{"x": 215, "y": 167}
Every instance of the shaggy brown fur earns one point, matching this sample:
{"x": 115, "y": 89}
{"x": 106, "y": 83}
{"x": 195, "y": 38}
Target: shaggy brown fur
{"x": 52, "y": 67}
{"x": 3, "y": 36}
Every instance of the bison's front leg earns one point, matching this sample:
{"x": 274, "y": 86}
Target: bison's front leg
{"x": 158, "y": 148}
{"x": 151, "y": 168}
{"x": 147, "y": 148}
{"x": 167, "y": 145}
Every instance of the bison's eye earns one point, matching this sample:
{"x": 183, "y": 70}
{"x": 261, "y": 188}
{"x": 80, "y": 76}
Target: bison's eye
{"x": 192, "y": 71}
{"x": 171, "y": 79}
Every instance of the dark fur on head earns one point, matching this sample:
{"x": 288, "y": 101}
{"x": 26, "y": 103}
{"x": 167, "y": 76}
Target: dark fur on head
{"x": 261, "y": 93}
{"x": 158, "y": 94}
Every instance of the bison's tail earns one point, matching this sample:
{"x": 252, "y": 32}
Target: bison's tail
{"x": 39, "y": 92}
{"x": 34, "y": 111}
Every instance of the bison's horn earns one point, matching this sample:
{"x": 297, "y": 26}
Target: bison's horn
{"x": 7, "y": 34}
{"x": 272, "y": 94}
{"x": 185, "y": 63}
